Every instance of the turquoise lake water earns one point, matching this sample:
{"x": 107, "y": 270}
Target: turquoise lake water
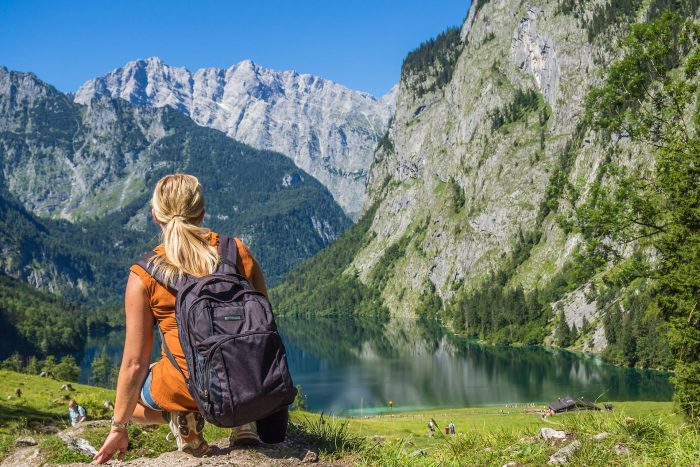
{"x": 349, "y": 366}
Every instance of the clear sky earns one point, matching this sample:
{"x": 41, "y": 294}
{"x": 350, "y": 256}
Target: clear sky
{"x": 358, "y": 43}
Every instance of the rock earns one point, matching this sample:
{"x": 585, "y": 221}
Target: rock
{"x": 24, "y": 456}
{"x": 108, "y": 405}
{"x": 18, "y": 392}
{"x": 550, "y": 433}
{"x": 25, "y": 441}
{"x": 562, "y": 455}
{"x": 67, "y": 387}
{"x": 510, "y": 464}
{"x": 417, "y": 452}
{"x": 49, "y": 429}
{"x": 61, "y": 400}
{"x": 310, "y": 458}
{"x": 77, "y": 444}
{"x": 602, "y": 435}
{"x": 328, "y": 130}
{"x": 622, "y": 450}
{"x": 408, "y": 443}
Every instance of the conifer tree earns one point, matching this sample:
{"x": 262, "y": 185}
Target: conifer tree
{"x": 562, "y": 334}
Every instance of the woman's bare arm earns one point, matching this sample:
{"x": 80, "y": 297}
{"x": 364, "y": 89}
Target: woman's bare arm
{"x": 134, "y": 367}
{"x": 137, "y": 348}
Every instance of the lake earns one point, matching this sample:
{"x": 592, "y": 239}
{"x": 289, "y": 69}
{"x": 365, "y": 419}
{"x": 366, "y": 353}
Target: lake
{"x": 353, "y": 366}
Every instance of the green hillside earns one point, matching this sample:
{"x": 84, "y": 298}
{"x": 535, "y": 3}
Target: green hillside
{"x": 520, "y": 215}
{"x": 117, "y": 153}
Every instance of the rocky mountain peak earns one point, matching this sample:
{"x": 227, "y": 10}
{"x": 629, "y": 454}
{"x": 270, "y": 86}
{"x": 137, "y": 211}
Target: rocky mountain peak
{"x": 327, "y": 129}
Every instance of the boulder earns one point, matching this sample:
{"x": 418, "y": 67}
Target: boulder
{"x": 25, "y": 441}
{"x": 310, "y": 457}
{"x": 77, "y": 444}
{"x": 562, "y": 455}
{"x": 622, "y": 450}
{"x": 551, "y": 433}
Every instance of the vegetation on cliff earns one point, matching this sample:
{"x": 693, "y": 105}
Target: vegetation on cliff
{"x": 651, "y": 97}
{"x": 326, "y": 285}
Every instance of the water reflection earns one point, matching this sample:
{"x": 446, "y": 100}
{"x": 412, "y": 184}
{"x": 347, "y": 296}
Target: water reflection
{"x": 344, "y": 363}
{"x": 112, "y": 344}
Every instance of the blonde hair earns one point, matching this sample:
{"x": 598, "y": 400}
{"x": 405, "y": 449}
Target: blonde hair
{"x": 178, "y": 205}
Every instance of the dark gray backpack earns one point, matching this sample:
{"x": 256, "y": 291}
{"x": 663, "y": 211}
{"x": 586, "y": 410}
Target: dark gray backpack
{"x": 236, "y": 360}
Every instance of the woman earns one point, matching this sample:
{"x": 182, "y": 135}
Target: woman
{"x": 158, "y": 394}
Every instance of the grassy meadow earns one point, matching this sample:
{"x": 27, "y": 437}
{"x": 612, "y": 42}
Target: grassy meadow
{"x": 638, "y": 433}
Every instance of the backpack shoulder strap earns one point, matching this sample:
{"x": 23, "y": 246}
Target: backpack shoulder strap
{"x": 170, "y": 355}
{"x": 148, "y": 267}
{"x": 228, "y": 252}
{"x": 145, "y": 262}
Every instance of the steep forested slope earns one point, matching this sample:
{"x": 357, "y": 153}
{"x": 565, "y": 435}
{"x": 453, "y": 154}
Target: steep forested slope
{"x": 95, "y": 166}
{"x": 538, "y": 182}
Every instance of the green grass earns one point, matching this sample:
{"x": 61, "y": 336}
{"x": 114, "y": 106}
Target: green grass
{"x": 42, "y": 400}
{"x": 652, "y": 431}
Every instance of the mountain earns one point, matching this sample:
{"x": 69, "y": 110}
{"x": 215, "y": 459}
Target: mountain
{"x": 492, "y": 202}
{"x": 76, "y": 180}
{"x": 328, "y": 130}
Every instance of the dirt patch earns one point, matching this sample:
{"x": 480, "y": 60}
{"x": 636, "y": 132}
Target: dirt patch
{"x": 289, "y": 452}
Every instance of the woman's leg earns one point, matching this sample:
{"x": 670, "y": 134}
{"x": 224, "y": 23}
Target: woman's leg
{"x": 145, "y": 416}
{"x": 273, "y": 428}
{"x": 147, "y": 411}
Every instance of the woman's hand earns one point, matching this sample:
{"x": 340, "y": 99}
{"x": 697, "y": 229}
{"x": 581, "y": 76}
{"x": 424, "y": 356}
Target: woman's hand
{"x": 117, "y": 442}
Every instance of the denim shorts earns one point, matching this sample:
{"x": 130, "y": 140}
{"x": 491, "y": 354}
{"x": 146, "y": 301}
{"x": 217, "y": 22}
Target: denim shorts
{"x": 146, "y": 396}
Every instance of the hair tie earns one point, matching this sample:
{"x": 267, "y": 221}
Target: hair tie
{"x": 178, "y": 215}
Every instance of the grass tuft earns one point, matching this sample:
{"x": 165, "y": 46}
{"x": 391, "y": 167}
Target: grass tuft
{"x": 327, "y": 436}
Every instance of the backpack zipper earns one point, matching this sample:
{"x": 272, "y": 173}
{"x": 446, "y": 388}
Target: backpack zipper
{"x": 210, "y": 352}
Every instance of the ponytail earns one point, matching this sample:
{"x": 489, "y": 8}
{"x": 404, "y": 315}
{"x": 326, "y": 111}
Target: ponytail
{"x": 178, "y": 205}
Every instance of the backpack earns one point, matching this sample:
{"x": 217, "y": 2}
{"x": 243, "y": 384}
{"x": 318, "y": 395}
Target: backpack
{"x": 236, "y": 359}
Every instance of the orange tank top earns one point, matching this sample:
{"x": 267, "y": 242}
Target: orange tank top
{"x": 167, "y": 385}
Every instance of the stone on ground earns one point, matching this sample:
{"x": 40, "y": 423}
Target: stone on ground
{"x": 562, "y": 455}
{"x": 550, "y": 433}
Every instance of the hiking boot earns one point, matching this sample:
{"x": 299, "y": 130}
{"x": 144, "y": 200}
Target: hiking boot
{"x": 245, "y": 435}
{"x": 187, "y": 429}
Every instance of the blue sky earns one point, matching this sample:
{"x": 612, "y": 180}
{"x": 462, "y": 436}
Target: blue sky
{"x": 358, "y": 43}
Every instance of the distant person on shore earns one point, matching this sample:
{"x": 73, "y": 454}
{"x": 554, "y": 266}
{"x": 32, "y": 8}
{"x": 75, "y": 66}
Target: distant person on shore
{"x": 157, "y": 394}
{"x": 76, "y": 413}
{"x": 432, "y": 425}
{"x": 451, "y": 426}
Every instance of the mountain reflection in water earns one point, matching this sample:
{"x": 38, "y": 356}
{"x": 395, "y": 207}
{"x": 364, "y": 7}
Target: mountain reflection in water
{"x": 343, "y": 363}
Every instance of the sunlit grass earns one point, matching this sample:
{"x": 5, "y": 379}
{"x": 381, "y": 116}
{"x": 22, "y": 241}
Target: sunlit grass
{"x": 646, "y": 433}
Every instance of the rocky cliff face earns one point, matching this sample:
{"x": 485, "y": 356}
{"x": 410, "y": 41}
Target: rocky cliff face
{"x": 64, "y": 160}
{"x": 480, "y": 164}
{"x": 461, "y": 187}
{"x": 327, "y": 129}
{"x": 95, "y": 164}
